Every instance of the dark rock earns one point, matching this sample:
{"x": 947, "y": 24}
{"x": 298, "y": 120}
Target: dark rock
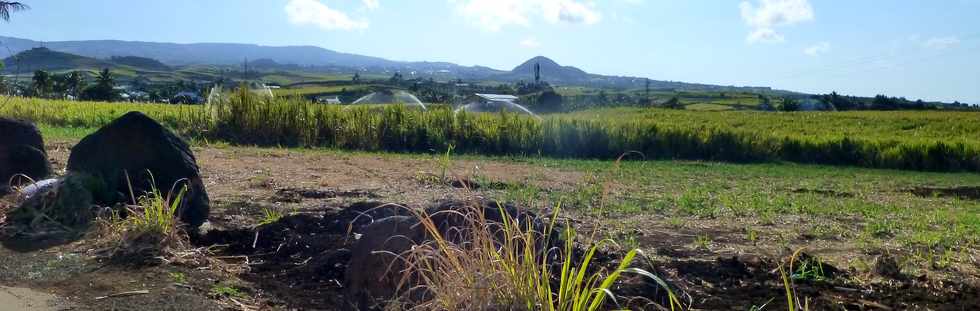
{"x": 137, "y": 148}
{"x": 375, "y": 270}
{"x": 453, "y": 218}
{"x": 21, "y": 152}
{"x": 357, "y": 216}
{"x": 373, "y": 274}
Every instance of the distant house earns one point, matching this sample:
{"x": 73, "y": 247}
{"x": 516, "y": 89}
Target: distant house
{"x": 187, "y": 98}
{"x": 329, "y": 100}
{"x": 139, "y": 96}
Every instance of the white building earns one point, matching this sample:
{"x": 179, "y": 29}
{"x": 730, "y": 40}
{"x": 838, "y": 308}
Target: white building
{"x": 330, "y": 100}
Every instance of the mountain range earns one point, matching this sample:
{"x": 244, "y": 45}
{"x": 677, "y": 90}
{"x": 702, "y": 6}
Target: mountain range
{"x": 161, "y": 56}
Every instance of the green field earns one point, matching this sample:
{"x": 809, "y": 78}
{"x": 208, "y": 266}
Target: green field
{"x": 314, "y": 90}
{"x": 934, "y": 140}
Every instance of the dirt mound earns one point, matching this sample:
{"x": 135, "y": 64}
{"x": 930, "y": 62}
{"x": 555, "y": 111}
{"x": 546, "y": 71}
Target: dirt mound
{"x": 21, "y": 152}
{"x": 135, "y": 153}
{"x": 962, "y": 192}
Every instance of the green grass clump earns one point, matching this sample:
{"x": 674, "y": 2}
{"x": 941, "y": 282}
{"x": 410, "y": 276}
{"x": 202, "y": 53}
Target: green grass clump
{"x": 270, "y": 215}
{"x": 155, "y": 215}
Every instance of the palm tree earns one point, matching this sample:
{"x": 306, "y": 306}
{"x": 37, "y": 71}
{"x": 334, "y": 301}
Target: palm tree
{"x": 103, "y": 89}
{"x": 7, "y": 7}
{"x": 104, "y": 78}
{"x": 42, "y": 83}
{"x": 74, "y": 82}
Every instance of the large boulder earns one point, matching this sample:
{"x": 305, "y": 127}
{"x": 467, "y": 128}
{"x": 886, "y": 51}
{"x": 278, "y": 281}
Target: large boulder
{"x": 21, "y": 152}
{"x": 136, "y": 153}
{"x": 377, "y": 269}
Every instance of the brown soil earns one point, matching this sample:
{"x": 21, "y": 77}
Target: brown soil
{"x": 298, "y": 262}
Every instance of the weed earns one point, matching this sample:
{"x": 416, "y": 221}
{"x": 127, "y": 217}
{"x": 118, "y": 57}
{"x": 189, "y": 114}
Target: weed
{"x": 178, "y": 277}
{"x": 702, "y": 241}
{"x": 226, "y": 290}
{"x": 809, "y": 269}
{"x": 676, "y": 222}
{"x": 270, "y": 215}
{"x": 445, "y": 163}
{"x": 156, "y": 214}
{"x": 792, "y": 299}
{"x": 751, "y": 234}
{"x": 880, "y": 228}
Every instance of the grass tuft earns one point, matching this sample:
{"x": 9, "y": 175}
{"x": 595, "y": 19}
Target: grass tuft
{"x": 512, "y": 266}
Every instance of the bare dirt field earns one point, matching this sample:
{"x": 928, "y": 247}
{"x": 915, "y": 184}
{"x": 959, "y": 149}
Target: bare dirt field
{"x": 717, "y": 233}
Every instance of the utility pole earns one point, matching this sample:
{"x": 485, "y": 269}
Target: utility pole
{"x": 647, "y": 91}
{"x": 537, "y": 73}
{"x": 245, "y": 70}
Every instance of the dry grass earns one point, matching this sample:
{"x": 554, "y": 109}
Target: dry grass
{"x": 512, "y": 265}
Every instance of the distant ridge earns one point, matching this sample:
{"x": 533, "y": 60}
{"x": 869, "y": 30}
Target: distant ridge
{"x": 156, "y": 56}
{"x": 176, "y": 54}
{"x": 46, "y": 59}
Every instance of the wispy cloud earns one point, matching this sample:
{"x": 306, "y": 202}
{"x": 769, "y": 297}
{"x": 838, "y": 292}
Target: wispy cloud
{"x": 817, "y": 49}
{"x": 314, "y": 12}
{"x": 767, "y": 15}
{"x": 941, "y": 43}
{"x": 530, "y": 43}
{"x": 371, "y": 4}
{"x": 494, "y": 15}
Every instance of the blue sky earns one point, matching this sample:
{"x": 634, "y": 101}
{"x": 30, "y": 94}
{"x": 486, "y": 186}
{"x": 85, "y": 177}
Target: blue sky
{"x": 912, "y": 48}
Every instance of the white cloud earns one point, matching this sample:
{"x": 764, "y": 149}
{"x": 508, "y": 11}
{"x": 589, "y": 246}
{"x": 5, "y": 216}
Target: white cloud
{"x": 494, "y": 15}
{"x": 941, "y": 43}
{"x": 817, "y": 49}
{"x": 371, "y": 4}
{"x": 765, "y": 35}
{"x": 531, "y": 43}
{"x": 313, "y": 12}
{"x": 765, "y": 17}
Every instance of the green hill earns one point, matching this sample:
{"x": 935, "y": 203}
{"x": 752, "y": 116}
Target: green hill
{"x": 45, "y": 59}
{"x": 140, "y": 62}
